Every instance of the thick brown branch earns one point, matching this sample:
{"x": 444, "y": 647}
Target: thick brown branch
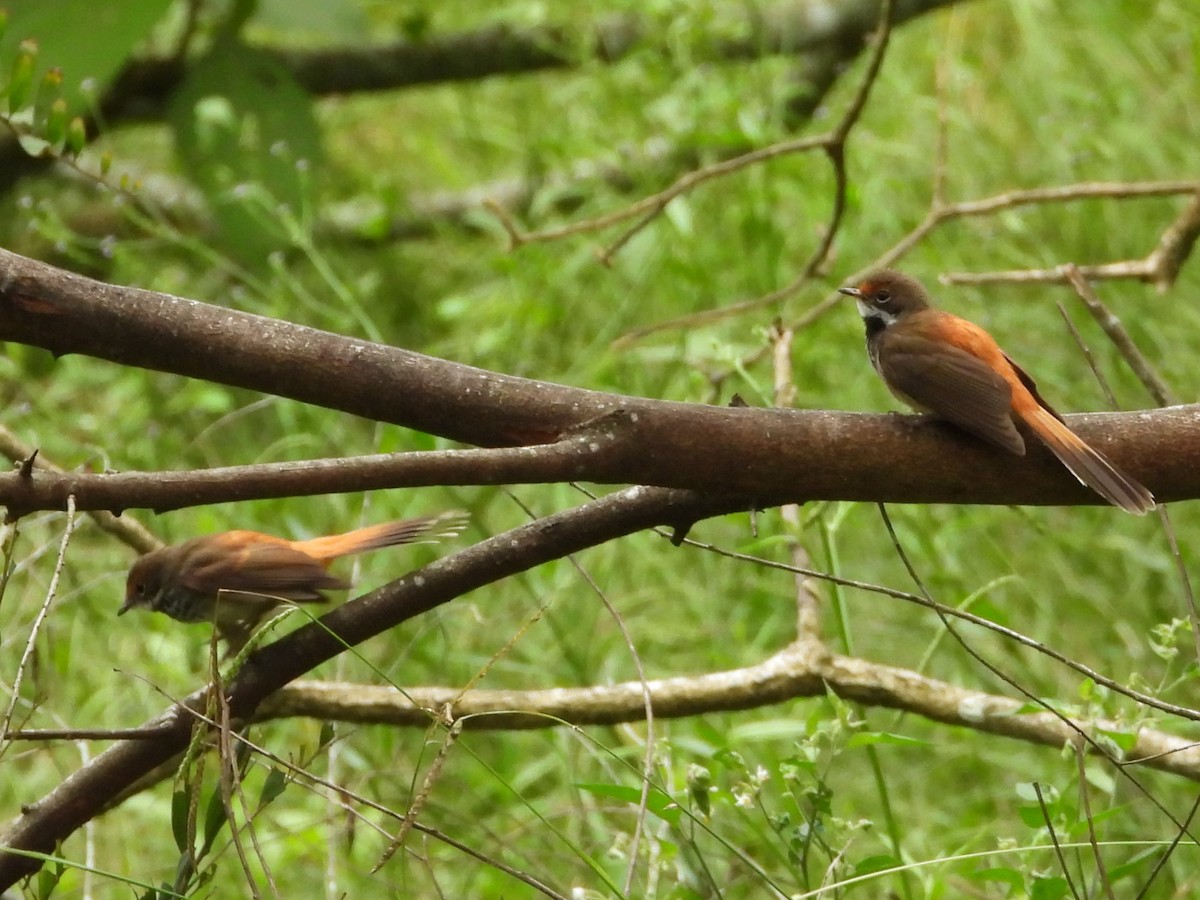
{"x": 163, "y": 491}
{"x": 770, "y": 454}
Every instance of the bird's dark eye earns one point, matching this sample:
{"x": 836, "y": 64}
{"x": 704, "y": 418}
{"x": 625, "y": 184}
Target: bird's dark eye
{"x": 141, "y": 589}
{"x": 884, "y": 296}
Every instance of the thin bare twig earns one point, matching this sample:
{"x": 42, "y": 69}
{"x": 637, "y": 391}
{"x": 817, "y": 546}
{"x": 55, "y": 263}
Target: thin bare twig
{"x": 339, "y": 789}
{"x": 1175, "y": 246}
{"x": 1058, "y": 852}
{"x": 36, "y": 628}
{"x": 1086, "y": 802}
{"x": 1162, "y": 861}
{"x": 835, "y": 149}
{"x": 1079, "y": 734}
{"x": 649, "y": 208}
{"x": 422, "y": 796}
{"x": 1158, "y": 388}
{"x": 229, "y": 780}
{"x": 126, "y": 530}
{"x": 85, "y": 734}
{"x": 935, "y": 218}
{"x": 833, "y": 143}
{"x": 1089, "y": 357}
{"x": 1108, "y": 321}
{"x": 1160, "y": 267}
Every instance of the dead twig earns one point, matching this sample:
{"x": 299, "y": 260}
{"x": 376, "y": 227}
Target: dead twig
{"x": 1111, "y": 325}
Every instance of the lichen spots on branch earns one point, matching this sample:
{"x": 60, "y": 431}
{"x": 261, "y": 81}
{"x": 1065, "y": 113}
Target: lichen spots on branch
{"x": 973, "y": 709}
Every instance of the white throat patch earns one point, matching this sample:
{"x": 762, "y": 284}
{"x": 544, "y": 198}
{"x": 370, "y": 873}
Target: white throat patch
{"x": 874, "y": 312}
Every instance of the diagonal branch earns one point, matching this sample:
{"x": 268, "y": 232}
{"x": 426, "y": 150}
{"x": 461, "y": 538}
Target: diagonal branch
{"x": 649, "y": 208}
{"x": 87, "y": 792}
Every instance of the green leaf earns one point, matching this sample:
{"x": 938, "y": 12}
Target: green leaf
{"x": 215, "y": 817}
{"x": 76, "y": 136}
{"x": 1101, "y": 778}
{"x": 731, "y": 760}
{"x": 20, "y": 84}
{"x": 658, "y": 803}
{"x": 699, "y": 780}
{"x": 56, "y": 124}
{"x": 1048, "y": 889}
{"x": 328, "y": 733}
{"x": 1116, "y": 873}
{"x": 90, "y": 42}
{"x": 866, "y": 738}
{"x": 1026, "y": 791}
{"x": 47, "y": 881}
{"x": 1124, "y": 740}
{"x": 1032, "y": 816}
{"x": 1011, "y": 877}
{"x": 246, "y": 134}
{"x": 48, "y": 91}
{"x": 180, "y": 802}
{"x": 275, "y": 784}
{"x": 878, "y": 863}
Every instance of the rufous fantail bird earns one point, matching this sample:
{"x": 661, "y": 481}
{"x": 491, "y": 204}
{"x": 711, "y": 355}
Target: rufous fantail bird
{"x": 940, "y": 364}
{"x": 237, "y": 578}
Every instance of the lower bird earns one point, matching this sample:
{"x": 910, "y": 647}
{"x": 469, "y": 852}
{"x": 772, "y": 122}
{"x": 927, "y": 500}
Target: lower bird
{"x": 938, "y": 363}
{"x": 237, "y": 578}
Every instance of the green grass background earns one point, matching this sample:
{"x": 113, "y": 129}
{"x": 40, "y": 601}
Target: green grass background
{"x": 1035, "y": 93}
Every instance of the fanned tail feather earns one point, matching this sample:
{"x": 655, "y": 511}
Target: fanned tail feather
{"x": 1089, "y": 465}
{"x": 425, "y": 529}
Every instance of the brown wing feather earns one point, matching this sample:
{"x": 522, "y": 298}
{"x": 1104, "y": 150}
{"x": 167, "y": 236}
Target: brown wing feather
{"x": 953, "y": 385}
{"x": 264, "y": 566}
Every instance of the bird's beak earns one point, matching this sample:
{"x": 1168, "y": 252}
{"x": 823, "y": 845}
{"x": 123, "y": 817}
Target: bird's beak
{"x": 124, "y": 609}
{"x": 851, "y": 292}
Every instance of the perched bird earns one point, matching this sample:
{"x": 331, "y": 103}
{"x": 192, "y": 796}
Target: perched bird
{"x": 237, "y": 578}
{"x": 938, "y": 363}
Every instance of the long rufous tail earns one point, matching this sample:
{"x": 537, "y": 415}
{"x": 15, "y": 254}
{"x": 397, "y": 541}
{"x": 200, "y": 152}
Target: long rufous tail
{"x": 387, "y": 534}
{"x": 1089, "y": 465}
